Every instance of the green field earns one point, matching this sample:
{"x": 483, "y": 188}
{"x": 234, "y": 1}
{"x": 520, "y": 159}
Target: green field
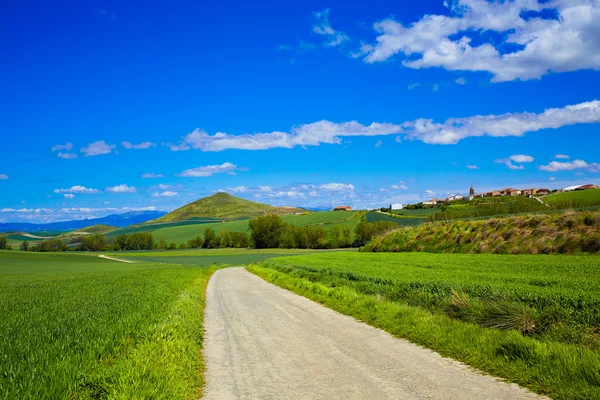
{"x": 530, "y": 319}
{"x": 80, "y": 327}
{"x": 377, "y": 216}
{"x": 591, "y": 196}
{"x": 183, "y": 233}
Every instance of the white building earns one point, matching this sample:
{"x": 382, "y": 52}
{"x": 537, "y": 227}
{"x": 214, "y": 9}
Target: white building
{"x": 396, "y": 206}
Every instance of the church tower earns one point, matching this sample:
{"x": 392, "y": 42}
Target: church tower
{"x": 471, "y": 193}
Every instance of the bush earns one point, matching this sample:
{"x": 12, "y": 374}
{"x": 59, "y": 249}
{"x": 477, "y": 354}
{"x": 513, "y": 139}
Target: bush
{"x": 3, "y": 242}
{"x": 92, "y": 242}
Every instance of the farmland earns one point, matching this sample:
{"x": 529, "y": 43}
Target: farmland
{"x": 77, "y": 326}
{"x": 183, "y": 233}
{"x": 529, "y": 319}
{"x": 575, "y": 198}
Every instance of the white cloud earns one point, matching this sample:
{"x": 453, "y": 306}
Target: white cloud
{"x": 67, "y": 146}
{"x": 552, "y": 178}
{"x": 69, "y": 195}
{"x": 554, "y": 166}
{"x": 97, "y": 148}
{"x": 336, "y": 187}
{"x": 435, "y": 87}
{"x": 460, "y": 81}
{"x": 378, "y": 144}
{"x": 209, "y": 170}
{"x": 78, "y": 189}
{"x": 238, "y": 189}
{"x": 398, "y": 139}
{"x": 162, "y": 186}
{"x": 569, "y": 42}
{"x": 266, "y": 188}
{"x": 3, "y": 176}
{"x": 562, "y": 156}
{"x": 66, "y": 156}
{"x": 411, "y": 86}
{"x": 289, "y": 193}
{"x": 521, "y": 158}
{"x": 151, "y": 175}
{"x": 144, "y": 145}
{"x": 323, "y": 27}
{"x": 121, "y": 189}
{"x": 451, "y": 131}
{"x": 165, "y": 194}
{"x": 399, "y": 187}
{"x": 511, "y": 124}
{"x": 472, "y": 166}
{"x": 302, "y": 47}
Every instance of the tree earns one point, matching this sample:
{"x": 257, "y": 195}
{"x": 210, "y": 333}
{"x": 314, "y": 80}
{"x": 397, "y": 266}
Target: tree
{"x": 267, "y": 231}
{"x": 240, "y": 240}
{"x": 335, "y": 237}
{"x": 120, "y": 242}
{"x": 163, "y": 244}
{"x": 210, "y": 238}
{"x": 92, "y": 242}
{"x": 3, "y": 242}
{"x": 172, "y": 246}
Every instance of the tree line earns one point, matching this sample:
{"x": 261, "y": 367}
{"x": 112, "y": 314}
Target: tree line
{"x": 269, "y": 231}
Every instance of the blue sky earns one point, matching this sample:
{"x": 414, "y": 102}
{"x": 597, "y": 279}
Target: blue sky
{"x": 111, "y": 106}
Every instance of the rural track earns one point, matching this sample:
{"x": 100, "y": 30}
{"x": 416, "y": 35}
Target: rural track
{"x": 264, "y": 342}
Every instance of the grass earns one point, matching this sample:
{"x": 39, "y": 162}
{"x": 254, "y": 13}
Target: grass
{"x": 100, "y": 228}
{"x": 574, "y": 199}
{"x": 478, "y": 309}
{"x": 568, "y": 233}
{"x": 80, "y": 327}
{"x": 327, "y": 219}
{"x": 400, "y": 221}
{"x": 219, "y": 205}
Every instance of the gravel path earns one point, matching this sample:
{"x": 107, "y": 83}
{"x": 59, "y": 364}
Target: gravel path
{"x": 263, "y": 342}
{"x": 116, "y": 259}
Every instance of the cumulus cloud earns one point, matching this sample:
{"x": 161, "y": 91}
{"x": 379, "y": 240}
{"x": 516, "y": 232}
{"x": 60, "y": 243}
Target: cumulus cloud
{"x": 511, "y": 124}
{"x": 78, "y": 189}
{"x": 460, "y": 81}
{"x": 336, "y": 187}
{"x": 568, "y": 42}
{"x": 97, "y": 148}
{"x": 41, "y": 215}
{"x": 554, "y": 166}
{"x": 323, "y": 27}
{"x": 3, "y": 176}
{"x": 121, "y": 189}
{"x": 69, "y": 195}
{"x": 67, "y": 146}
{"x": 399, "y": 187}
{"x": 144, "y": 145}
{"x": 472, "y": 166}
{"x": 151, "y": 175}
{"x": 562, "y": 156}
{"x": 518, "y": 158}
{"x": 66, "y": 156}
{"x": 450, "y": 131}
{"x": 209, "y": 170}
{"x": 165, "y": 194}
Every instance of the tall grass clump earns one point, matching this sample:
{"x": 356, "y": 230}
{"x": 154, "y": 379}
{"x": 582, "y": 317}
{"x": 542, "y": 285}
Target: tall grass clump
{"x": 566, "y": 233}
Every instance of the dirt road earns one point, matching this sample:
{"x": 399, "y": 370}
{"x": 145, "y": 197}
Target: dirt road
{"x": 263, "y": 342}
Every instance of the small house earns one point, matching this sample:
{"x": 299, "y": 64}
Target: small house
{"x": 396, "y": 206}
{"x": 342, "y": 208}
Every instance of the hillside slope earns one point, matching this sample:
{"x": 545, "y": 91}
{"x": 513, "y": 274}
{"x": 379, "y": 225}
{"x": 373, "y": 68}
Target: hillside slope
{"x": 219, "y": 205}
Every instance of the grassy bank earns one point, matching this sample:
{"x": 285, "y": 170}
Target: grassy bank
{"x": 565, "y": 233}
{"x": 80, "y": 327}
{"x": 529, "y": 319}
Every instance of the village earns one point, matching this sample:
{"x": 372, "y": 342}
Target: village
{"x": 530, "y": 192}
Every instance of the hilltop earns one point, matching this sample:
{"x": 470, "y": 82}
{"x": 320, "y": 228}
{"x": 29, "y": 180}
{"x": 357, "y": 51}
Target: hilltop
{"x": 219, "y": 205}
{"x": 99, "y": 228}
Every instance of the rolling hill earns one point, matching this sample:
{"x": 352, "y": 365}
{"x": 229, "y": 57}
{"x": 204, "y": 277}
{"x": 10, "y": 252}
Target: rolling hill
{"x": 219, "y": 205}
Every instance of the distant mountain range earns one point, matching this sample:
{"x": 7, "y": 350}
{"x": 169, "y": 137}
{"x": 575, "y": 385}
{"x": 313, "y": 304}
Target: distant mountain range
{"x": 119, "y": 220}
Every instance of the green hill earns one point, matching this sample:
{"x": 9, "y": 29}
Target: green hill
{"x": 96, "y": 229}
{"x": 219, "y": 205}
{"x": 576, "y": 198}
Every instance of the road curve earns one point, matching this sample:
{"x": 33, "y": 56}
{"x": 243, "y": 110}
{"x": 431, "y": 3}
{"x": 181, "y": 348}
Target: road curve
{"x": 264, "y": 342}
